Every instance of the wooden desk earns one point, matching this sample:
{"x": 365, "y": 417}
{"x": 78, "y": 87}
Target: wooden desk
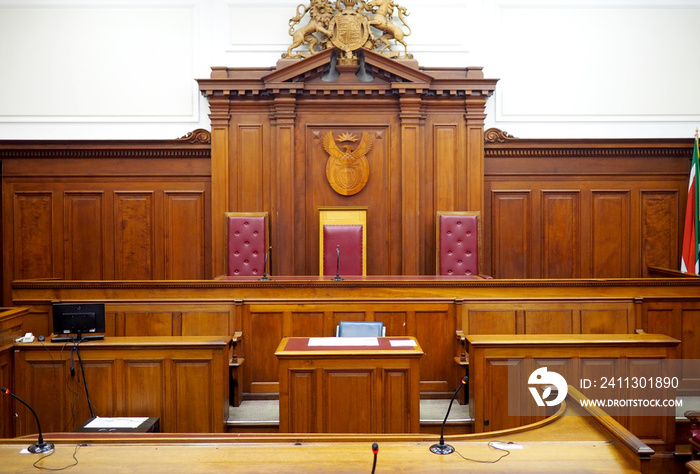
{"x": 567, "y": 442}
{"x": 181, "y": 380}
{"x": 349, "y": 389}
{"x": 493, "y": 359}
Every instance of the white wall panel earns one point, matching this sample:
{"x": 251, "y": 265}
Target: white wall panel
{"x": 567, "y": 68}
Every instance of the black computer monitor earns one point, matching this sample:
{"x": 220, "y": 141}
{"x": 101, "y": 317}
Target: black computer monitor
{"x": 75, "y": 322}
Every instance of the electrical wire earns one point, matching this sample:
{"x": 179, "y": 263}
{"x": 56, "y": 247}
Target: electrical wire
{"x": 42, "y": 468}
{"x": 491, "y": 445}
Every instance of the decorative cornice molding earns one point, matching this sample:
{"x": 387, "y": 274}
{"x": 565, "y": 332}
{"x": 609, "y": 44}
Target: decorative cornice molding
{"x": 584, "y": 152}
{"x": 199, "y": 135}
{"x": 108, "y": 153}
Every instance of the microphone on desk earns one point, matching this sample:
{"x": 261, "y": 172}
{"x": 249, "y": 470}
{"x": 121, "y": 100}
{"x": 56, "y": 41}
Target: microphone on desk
{"x": 441, "y": 447}
{"x": 337, "y": 264}
{"x": 375, "y": 450}
{"x": 267, "y": 255}
{"x": 40, "y": 446}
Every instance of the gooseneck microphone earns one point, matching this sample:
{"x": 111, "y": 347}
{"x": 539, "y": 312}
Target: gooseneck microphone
{"x": 267, "y": 255}
{"x": 337, "y": 264}
{"x": 375, "y": 450}
{"x": 441, "y": 447}
{"x": 40, "y": 446}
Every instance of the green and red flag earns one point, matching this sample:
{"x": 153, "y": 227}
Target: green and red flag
{"x": 690, "y": 255}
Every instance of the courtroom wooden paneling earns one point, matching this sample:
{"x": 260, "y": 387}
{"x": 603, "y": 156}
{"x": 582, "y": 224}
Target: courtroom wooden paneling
{"x": 497, "y": 363}
{"x": 91, "y": 210}
{"x": 562, "y": 209}
{"x": 265, "y": 324}
{"x": 428, "y": 308}
{"x": 427, "y": 130}
{"x": 183, "y": 381}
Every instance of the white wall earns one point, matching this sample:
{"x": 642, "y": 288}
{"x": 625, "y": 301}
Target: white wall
{"x": 82, "y": 69}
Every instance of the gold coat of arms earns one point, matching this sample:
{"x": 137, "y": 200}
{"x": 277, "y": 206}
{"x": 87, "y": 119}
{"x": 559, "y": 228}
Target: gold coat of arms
{"x": 347, "y": 171}
{"x": 357, "y": 24}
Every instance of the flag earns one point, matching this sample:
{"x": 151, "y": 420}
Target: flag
{"x": 690, "y": 260}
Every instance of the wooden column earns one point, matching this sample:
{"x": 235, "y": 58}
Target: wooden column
{"x": 412, "y": 152}
{"x": 284, "y": 225}
{"x": 475, "y": 116}
{"x": 220, "y": 117}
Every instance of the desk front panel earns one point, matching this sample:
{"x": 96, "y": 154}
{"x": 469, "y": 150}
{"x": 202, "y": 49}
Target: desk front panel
{"x": 348, "y": 390}
{"x": 182, "y": 381}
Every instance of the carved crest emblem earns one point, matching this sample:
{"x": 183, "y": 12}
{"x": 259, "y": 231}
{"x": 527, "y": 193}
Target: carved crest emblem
{"x": 349, "y": 31}
{"x": 347, "y": 171}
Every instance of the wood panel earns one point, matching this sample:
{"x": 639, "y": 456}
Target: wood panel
{"x": 134, "y": 236}
{"x": 599, "y": 208}
{"x": 106, "y": 209}
{"x": 501, "y": 366}
{"x": 183, "y": 381}
{"x": 610, "y": 234}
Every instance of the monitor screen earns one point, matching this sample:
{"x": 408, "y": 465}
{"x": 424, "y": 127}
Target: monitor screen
{"x": 78, "y": 318}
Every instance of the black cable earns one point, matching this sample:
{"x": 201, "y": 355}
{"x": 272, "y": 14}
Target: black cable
{"x": 490, "y": 445}
{"x": 82, "y": 369}
{"x": 75, "y": 452}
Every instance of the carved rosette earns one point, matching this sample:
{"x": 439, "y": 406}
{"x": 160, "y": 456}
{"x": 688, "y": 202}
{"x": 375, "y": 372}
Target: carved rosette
{"x": 347, "y": 171}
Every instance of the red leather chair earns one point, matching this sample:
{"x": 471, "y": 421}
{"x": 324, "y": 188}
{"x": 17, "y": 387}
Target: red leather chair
{"x": 342, "y": 249}
{"x": 247, "y": 243}
{"x": 458, "y": 243}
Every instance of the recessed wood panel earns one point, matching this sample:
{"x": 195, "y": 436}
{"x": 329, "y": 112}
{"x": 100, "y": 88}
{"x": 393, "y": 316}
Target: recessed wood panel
{"x": 134, "y": 234}
{"x": 144, "y": 381}
{"x": 445, "y": 138}
{"x": 33, "y": 235}
{"x": 6, "y": 418}
{"x": 302, "y": 399}
{"x": 184, "y": 235}
{"x": 491, "y": 322}
{"x": 690, "y": 321}
{"x": 561, "y": 251}
{"x": 510, "y": 234}
{"x": 263, "y": 333}
{"x": 249, "y": 166}
{"x": 610, "y": 229}
{"x": 396, "y": 401}
{"x": 192, "y": 382}
{"x": 549, "y": 322}
{"x": 659, "y": 232}
{"x": 308, "y": 324}
{"x": 84, "y": 226}
{"x": 148, "y": 324}
{"x": 205, "y": 323}
{"x": 101, "y": 380}
{"x": 349, "y": 405}
{"x": 497, "y": 398}
{"x": 436, "y": 376}
{"x": 604, "y": 322}
{"x": 395, "y": 322}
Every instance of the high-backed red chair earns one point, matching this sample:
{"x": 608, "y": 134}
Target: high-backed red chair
{"x": 342, "y": 249}
{"x": 458, "y": 243}
{"x": 342, "y": 241}
{"x": 247, "y": 242}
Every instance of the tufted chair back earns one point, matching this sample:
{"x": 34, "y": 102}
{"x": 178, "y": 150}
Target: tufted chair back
{"x": 247, "y": 242}
{"x": 459, "y": 242}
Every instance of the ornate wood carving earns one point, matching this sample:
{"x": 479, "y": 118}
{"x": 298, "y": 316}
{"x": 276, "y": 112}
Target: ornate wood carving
{"x": 347, "y": 171}
{"x": 197, "y": 136}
